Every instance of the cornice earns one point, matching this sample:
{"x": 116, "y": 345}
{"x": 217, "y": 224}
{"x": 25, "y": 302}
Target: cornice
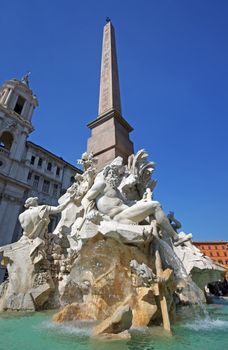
{"x": 108, "y": 115}
{"x": 13, "y": 181}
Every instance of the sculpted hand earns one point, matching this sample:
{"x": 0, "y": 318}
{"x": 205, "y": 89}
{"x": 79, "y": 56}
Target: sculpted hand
{"x": 147, "y": 195}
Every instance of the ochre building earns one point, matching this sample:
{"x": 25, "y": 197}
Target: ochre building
{"x": 216, "y": 250}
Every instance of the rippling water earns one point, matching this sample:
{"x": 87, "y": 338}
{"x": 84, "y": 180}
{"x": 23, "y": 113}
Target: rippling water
{"x": 37, "y": 331}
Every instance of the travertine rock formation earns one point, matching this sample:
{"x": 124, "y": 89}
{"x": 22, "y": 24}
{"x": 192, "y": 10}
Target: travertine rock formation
{"x": 107, "y": 259}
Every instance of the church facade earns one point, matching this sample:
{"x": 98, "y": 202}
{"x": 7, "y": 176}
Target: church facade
{"x": 26, "y": 169}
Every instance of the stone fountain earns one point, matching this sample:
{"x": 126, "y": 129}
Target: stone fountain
{"x": 107, "y": 258}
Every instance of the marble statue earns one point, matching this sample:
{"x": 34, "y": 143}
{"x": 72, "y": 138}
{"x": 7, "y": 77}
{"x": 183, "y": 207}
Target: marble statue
{"x": 73, "y": 215}
{"x": 113, "y": 252}
{"x": 25, "y": 79}
{"x": 35, "y": 219}
{"x": 116, "y": 202}
{"x": 111, "y": 203}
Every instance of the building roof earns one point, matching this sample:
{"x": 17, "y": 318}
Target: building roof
{"x": 210, "y": 242}
{"x": 60, "y": 159}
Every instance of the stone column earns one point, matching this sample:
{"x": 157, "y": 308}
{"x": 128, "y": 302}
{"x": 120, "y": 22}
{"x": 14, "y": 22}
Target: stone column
{"x": 18, "y": 146}
{"x": 25, "y": 110}
{"x": 4, "y": 95}
{"x": 7, "y": 97}
{"x": 30, "y": 112}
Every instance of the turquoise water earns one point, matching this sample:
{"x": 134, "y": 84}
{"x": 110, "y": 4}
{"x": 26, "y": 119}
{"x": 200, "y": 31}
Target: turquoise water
{"x": 36, "y": 331}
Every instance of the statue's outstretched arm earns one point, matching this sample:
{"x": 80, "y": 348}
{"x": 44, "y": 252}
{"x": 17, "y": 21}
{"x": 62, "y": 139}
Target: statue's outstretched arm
{"x": 61, "y": 207}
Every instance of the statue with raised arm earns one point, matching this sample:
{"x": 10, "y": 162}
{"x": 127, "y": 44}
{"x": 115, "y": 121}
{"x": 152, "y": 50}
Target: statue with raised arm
{"x": 35, "y": 219}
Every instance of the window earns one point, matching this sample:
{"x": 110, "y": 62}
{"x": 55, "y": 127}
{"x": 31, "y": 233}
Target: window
{"x": 19, "y": 105}
{"x": 29, "y": 176}
{"x": 58, "y": 171}
{"x": 40, "y": 161}
{"x": 32, "y": 161}
{"x": 202, "y": 247}
{"x": 36, "y": 182}
{"x": 217, "y": 253}
{"x": 209, "y": 247}
{"x": 72, "y": 179}
{"x": 46, "y": 185}
{"x": 226, "y": 262}
{"x": 6, "y": 140}
{"x": 220, "y": 262}
{"x": 55, "y": 190}
{"x": 49, "y": 166}
{"x": 216, "y": 247}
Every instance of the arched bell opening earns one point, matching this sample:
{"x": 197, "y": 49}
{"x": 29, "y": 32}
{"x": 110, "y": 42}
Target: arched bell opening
{"x": 6, "y": 140}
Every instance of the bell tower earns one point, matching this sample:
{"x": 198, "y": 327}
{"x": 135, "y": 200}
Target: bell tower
{"x": 17, "y": 104}
{"x": 110, "y": 131}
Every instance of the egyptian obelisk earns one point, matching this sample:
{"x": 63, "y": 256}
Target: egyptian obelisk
{"x": 110, "y": 131}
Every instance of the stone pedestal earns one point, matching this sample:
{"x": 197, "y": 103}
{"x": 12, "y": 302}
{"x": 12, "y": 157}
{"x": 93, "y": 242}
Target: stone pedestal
{"x": 110, "y": 138}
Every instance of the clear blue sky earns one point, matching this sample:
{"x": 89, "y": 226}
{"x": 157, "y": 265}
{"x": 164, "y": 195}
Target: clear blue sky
{"x": 173, "y": 66}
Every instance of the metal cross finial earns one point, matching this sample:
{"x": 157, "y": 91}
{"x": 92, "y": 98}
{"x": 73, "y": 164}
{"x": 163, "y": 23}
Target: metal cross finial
{"x": 108, "y": 19}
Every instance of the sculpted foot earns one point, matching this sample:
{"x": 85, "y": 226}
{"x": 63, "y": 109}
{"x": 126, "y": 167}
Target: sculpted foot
{"x": 183, "y": 239}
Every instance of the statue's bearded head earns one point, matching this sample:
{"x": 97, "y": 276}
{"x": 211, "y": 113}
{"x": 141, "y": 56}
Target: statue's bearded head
{"x": 113, "y": 175}
{"x": 31, "y": 202}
